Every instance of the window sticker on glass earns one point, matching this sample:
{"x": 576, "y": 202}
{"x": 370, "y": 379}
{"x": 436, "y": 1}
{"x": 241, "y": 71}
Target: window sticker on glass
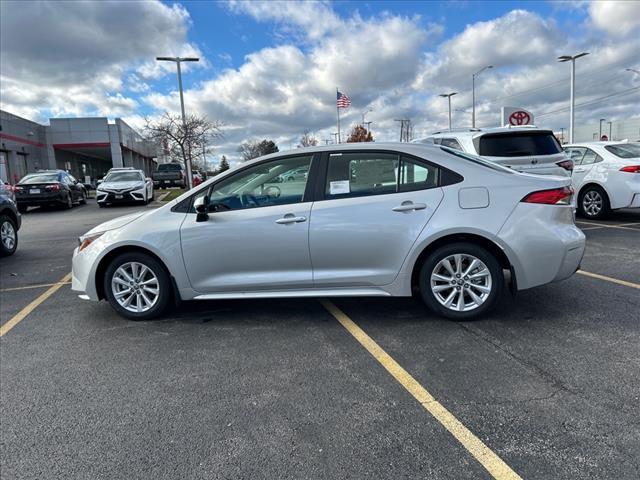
{"x": 339, "y": 187}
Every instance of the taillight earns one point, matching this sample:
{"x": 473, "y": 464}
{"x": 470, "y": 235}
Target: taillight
{"x": 566, "y": 164}
{"x": 15, "y": 188}
{"x": 53, "y": 188}
{"x": 631, "y": 169}
{"x": 554, "y": 196}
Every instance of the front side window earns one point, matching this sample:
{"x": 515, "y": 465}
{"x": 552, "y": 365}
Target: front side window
{"x": 261, "y": 185}
{"x": 575, "y": 154}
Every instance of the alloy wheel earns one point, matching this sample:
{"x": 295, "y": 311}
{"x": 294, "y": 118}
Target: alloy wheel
{"x": 461, "y": 282}
{"x": 592, "y": 203}
{"x": 8, "y": 235}
{"x": 135, "y": 287}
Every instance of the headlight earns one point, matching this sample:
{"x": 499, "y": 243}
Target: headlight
{"x": 87, "y": 239}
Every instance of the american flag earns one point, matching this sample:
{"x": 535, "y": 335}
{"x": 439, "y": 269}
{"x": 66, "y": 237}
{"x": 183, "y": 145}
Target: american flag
{"x": 343, "y": 101}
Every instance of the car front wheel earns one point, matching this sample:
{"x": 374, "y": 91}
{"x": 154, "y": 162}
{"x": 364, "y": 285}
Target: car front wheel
{"x": 461, "y": 281}
{"x": 137, "y": 286}
{"x": 8, "y": 236}
{"x": 593, "y": 203}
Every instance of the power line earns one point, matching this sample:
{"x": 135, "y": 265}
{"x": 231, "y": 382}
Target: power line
{"x": 592, "y": 102}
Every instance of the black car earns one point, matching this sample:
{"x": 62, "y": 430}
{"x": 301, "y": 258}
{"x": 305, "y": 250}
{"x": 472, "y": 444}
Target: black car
{"x": 10, "y": 221}
{"x": 49, "y": 187}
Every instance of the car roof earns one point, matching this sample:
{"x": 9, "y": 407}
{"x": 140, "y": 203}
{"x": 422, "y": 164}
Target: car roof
{"x": 602, "y": 144}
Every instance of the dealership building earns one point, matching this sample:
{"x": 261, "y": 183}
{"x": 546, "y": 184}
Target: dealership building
{"x": 85, "y": 147}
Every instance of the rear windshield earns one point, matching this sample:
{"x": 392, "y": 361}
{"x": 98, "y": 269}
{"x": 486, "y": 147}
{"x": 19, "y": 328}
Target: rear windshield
{"x": 475, "y": 159}
{"x": 40, "y": 178}
{"x": 517, "y": 144}
{"x": 624, "y": 150}
{"x": 169, "y": 167}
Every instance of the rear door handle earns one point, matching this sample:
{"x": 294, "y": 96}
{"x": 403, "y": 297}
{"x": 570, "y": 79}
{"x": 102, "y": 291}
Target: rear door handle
{"x": 290, "y": 218}
{"x": 409, "y": 206}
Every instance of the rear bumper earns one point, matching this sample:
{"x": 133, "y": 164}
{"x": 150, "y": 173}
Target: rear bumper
{"x": 543, "y": 242}
{"x": 42, "y": 199}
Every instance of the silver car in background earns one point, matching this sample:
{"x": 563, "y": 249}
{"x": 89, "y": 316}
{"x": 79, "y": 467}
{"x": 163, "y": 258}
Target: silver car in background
{"x": 369, "y": 220}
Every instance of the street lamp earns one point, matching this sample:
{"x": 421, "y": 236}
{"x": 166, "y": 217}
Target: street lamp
{"x": 448, "y": 96}
{"x": 610, "y": 131}
{"x": 473, "y": 90}
{"x": 601, "y": 120}
{"x": 178, "y": 61}
{"x": 567, "y": 58}
{"x": 364, "y": 113}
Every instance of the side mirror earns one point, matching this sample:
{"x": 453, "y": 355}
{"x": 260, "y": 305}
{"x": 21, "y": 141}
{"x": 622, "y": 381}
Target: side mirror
{"x": 202, "y": 208}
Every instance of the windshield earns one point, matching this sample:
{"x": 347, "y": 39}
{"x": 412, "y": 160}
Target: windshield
{"x": 518, "y": 144}
{"x": 624, "y": 150}
{"x": 40, "y": 178}
{"x": 169, "y": 167}
{"x": 478, "y": 160}
{"x": 123, "y": 177}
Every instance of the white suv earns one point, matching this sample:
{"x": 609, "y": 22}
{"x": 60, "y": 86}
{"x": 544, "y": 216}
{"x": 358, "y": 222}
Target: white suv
{"x": 526, "y": 149}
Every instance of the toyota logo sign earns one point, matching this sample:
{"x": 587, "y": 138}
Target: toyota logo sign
{"x": 519, "y": 117}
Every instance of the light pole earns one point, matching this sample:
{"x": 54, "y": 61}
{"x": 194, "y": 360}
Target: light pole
{"x": 448, "y": 96}
{"x": 364, "y": 113}
{"x": 600, "y": 134}
{"x": 610, "y": 131}
{"x": 567, "y": 58}
{"x": 178, "y": 61}
{"x": 473, "y": 90}
{"x": 562, "y": 134}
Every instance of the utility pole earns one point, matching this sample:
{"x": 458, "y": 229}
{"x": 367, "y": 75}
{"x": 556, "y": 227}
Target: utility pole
{"x": 600, "y": 134}
{"x": 177, "y": 61}
{"x": 406, "y": 129}
{"x": 335, "y": 137}
{"x": 610, "y": 138}
{"x": 368, "y": 126}
{"x": 448, "y": 97}
{"x": 572, "y": 59}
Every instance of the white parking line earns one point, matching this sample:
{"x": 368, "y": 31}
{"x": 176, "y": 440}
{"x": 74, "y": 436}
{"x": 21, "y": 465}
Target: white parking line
{"x": 609, "y": 279}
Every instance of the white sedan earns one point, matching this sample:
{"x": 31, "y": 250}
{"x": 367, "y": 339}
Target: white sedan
{"x": 606, "y": 176}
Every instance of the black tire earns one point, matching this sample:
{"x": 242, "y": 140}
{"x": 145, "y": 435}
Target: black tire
{"x": 102, "y": 204}
{"x": 83, "y": 198}
{"x": 22, "y": 208}
{"x": 470, "y": 249}
{"x": 7, "y": 222}
{"x": 68, "y": 205}
{"x": 164, "y": 285}
{"x": 588, "y": 202}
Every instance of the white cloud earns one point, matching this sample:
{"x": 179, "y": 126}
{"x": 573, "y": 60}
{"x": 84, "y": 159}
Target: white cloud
{"x": 70, "y": 57}
{"x": 617, "y": 18}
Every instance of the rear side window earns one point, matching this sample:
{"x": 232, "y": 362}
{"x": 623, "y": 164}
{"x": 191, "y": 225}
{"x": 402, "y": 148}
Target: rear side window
{"x": 590, "y": 157}
{"x": 451, "y": 143}
{"x": 625, "y": 150}
{"x": 517, "y": 144}
{"x": 575, "y": 154}
{"x": 363, "y": 174}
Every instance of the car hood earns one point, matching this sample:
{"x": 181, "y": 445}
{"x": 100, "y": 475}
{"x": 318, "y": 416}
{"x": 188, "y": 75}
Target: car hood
{"x": 121, "y": 185}
{"x": 117, "y": 222}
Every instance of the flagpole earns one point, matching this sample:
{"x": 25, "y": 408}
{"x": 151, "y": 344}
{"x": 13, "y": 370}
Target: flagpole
{"x": 338, "y": 113}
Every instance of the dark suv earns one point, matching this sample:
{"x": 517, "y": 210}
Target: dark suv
{"x": 49, "y": 187}
{"x": 10, "y": 221}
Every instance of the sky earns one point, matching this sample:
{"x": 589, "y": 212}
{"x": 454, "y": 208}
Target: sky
{"x": 271, "y": 69}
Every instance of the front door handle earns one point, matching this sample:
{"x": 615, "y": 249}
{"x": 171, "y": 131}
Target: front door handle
{"x": 290, "y": 218}
{"x": 409, "y": 206}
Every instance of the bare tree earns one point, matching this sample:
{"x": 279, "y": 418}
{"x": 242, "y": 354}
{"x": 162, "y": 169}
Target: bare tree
{"x": 179, "y": 139}
{"x": 254, "y": 149}
{"x": 308, "y": 140}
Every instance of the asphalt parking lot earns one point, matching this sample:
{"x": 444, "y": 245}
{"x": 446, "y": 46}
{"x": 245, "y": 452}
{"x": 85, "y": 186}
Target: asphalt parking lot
{"x": 545, "y": 387}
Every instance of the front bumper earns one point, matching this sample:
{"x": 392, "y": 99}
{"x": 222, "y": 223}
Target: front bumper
{"x": 120, "y": 197}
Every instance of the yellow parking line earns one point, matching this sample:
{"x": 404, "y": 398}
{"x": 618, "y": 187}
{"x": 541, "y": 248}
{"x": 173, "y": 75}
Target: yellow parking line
{"x": 489, "y": 460}
{"x": 27, "y": 287}
{"x": 22, "y": 314}
{"x": 606, "y": 225}
{"x": 609, "y": 279}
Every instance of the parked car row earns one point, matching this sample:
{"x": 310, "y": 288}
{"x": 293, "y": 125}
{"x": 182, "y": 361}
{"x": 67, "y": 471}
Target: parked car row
{"x": 605, "y": 175}
{"x": 49, "y": 188}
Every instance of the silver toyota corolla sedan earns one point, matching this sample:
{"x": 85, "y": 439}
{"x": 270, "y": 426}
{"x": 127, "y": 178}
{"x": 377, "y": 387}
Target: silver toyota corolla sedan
{"x": 368, "y": 219}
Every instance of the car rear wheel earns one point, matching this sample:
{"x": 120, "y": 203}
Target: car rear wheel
{"x": 8, "y": 236}
{"x": 83, "y": 198}
{"x": 137, "y": 286}
{"x": 461, "y": 281}
{"x": 593, "y": 202}
{"x": 68, "y": 202}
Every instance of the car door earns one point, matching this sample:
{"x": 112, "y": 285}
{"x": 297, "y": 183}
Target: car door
{"x": 580, "y": 172}
{"x": 372, "y": 208}
{"x": 257, "y": 233}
